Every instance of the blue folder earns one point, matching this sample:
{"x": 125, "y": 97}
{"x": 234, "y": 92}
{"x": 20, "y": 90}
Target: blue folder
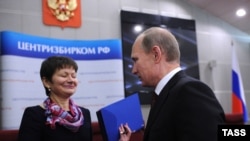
{"x": 127, "y": 110}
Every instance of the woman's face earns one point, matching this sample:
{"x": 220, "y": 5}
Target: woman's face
{"x": 64, "y": 82}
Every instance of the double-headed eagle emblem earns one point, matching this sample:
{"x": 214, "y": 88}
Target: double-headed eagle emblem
{"x": 63, "y": 10}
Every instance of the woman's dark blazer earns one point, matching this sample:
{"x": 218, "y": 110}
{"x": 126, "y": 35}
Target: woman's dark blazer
{"x": 186, "y": 110}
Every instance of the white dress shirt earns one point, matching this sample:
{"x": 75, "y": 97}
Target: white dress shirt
{"x": 165, "y": 80}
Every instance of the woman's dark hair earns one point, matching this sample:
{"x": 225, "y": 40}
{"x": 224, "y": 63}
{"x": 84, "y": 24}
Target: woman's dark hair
{"x": 53, "y": 63}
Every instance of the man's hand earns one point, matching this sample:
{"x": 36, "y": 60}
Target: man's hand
{"x": 125, "y": 132}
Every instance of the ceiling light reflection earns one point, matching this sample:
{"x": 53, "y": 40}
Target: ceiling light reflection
{"x": 241, "y": 12}
{"x": 138, "y": 28}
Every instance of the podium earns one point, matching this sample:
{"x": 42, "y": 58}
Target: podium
{"x": 127, "y": 110}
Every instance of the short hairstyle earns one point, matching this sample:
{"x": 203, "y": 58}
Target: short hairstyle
{"x": 164, "y": 39}
{"x": 53, "y": 63}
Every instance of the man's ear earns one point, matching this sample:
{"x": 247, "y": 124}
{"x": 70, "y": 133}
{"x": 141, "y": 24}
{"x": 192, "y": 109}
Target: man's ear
{"x": 157, "y": 53}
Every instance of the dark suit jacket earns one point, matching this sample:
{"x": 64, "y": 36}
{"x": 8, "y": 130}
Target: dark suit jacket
{"x": 186, "y": 110}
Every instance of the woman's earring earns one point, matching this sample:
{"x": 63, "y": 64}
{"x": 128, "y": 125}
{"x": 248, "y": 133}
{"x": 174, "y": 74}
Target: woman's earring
{"x": 49, "y": 89}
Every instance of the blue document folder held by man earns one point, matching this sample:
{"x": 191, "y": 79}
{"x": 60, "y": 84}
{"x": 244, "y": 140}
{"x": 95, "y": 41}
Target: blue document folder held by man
{"x": 127, "y": 110}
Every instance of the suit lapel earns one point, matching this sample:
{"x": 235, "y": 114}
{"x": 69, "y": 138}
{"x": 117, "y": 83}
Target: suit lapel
{"x": 163, "y": 96}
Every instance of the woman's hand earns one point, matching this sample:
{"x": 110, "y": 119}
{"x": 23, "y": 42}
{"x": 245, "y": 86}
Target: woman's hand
{"x": 125, "y": 132}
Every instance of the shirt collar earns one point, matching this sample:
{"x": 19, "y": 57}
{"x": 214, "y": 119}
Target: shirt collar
{"x": 165, "y": 80}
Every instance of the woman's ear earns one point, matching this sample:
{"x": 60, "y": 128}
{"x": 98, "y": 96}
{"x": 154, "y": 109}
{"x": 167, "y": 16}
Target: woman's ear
{"x": 45, "y": 82}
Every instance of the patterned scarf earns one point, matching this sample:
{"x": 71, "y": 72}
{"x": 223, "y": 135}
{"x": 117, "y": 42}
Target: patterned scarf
{"x": 72, "y": 119}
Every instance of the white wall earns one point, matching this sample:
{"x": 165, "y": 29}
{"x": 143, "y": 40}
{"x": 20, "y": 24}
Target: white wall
{"x": 101, "y": 20}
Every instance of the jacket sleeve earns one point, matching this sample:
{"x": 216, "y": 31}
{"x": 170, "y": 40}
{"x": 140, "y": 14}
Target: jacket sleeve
{"x": 31, "y": 125}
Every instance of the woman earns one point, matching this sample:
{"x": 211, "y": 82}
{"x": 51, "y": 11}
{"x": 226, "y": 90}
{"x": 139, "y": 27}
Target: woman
{"x": 58, "y": 118}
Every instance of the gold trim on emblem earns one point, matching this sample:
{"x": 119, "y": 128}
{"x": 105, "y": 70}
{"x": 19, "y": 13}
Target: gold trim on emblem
{"x": 63, "y": 10}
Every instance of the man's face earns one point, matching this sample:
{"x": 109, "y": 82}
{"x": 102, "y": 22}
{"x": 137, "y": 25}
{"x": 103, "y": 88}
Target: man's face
{"x": 142, "y": 64}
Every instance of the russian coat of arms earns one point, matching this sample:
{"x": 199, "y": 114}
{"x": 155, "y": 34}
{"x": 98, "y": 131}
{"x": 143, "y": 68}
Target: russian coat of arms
{"x": 62, "y": 12}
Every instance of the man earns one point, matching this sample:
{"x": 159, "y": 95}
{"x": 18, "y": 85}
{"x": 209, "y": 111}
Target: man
{"x": 186, "y": 109}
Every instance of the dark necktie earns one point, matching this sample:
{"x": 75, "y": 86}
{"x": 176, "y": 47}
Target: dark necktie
{"x": 154, "y": 98}
{"x": 152, "y": 109}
